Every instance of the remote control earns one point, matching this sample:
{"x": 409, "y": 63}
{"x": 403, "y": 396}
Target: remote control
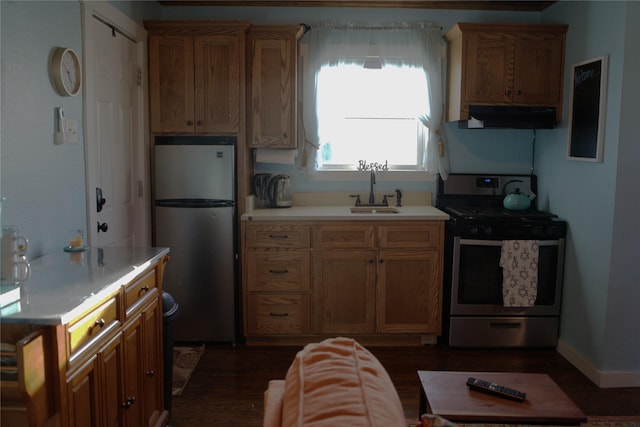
{"x": 495, "y": 389}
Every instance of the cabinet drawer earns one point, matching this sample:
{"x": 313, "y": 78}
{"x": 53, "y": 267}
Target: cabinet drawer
{"x": 410, "y": 235}
{"x": 99, "y": 320}
{"x": 343, "y": 236}
{"x": 278, "y": 236}
{"x": 134, "y": 292}
{"x": 278, "y": 314}
{"x": 278, "y": 271}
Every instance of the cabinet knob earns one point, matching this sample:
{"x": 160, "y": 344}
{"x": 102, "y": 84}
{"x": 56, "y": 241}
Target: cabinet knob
{"x": 508, "y": 92}
{"x": 518, "y": 92}
{"x": 189, "y": 122}
{"x": 285, "y": 135}
{"x": 198, "y": 122}
{"x": 150, "y": 373}
{"x": 100, "y": 322}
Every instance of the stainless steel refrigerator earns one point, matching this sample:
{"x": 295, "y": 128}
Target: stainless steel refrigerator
{"x": 195, "y": 216}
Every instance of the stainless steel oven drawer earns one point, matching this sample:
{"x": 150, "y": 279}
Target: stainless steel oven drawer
{"x": 503, "y": 331}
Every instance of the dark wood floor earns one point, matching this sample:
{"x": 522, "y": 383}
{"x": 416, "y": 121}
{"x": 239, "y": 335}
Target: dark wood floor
{"x": 227, "y": 386}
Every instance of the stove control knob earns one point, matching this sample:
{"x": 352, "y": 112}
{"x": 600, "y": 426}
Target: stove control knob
{"x": 473, "y": 230}
{"x": 488, "y": 230}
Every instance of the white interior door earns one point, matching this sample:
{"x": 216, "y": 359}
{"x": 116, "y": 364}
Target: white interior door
{"x": 116, "y": 141}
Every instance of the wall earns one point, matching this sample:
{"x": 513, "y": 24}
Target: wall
{"x": 599, "y": 321}
{"x": 43, "y": 183}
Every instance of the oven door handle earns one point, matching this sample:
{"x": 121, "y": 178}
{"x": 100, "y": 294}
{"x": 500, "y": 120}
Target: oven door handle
{"x": 484, "y": 242}
{"x": 505, "y": 325}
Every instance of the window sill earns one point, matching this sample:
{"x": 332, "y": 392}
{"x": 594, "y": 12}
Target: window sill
{"x": 342, "y": 175}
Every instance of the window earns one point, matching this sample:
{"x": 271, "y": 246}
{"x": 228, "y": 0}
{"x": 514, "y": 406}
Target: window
{"x": 371, "y": 114}
{"x": 372, "y": 93}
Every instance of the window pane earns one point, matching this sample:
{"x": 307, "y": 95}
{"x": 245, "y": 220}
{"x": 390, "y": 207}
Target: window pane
{"x": 370, "y": 114}
{"x": 350, "y": 140}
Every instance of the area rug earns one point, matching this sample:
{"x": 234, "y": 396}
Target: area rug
{"x": 593, "y": 421}
{"x": 185, "y": 360}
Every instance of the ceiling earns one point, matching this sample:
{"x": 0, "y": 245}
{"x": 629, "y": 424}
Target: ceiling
{"x": 516, "y": 5}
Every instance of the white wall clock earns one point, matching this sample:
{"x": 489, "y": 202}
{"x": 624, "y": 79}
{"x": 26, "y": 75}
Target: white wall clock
{"x": 66, "y": 71}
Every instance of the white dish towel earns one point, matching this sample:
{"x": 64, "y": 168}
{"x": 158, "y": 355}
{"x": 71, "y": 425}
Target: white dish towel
{"x": 519, "y": 262}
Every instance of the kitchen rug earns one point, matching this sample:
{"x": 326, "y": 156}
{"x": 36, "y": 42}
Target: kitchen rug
{"x": 185, "y": 360}
{"x": 592, "y": 421}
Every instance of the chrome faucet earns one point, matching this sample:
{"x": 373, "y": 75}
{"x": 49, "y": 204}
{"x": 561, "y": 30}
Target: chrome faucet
{"x": 372, "y": 181}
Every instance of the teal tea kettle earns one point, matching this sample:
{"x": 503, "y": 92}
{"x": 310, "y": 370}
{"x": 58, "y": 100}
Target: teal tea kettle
{"x": 517, "y": 201}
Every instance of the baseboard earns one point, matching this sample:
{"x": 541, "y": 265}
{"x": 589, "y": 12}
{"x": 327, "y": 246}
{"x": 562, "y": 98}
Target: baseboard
{"x": 603, "y": 379}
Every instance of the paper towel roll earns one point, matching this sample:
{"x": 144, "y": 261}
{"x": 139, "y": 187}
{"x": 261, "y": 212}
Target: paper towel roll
{"x": 276, "y": 155}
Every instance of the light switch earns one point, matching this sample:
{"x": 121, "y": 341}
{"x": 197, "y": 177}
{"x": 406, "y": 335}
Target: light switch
{"x": 68, "y": 133}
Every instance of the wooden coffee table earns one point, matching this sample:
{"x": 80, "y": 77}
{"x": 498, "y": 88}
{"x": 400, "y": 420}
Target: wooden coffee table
{"x": 446, "y": 394}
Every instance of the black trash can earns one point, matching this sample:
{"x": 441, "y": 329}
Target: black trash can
{"x": 169, "y": 314}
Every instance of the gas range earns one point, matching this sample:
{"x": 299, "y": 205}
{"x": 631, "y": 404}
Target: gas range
{"x": 474, "y": 204}
{"x": 479, "y": 227}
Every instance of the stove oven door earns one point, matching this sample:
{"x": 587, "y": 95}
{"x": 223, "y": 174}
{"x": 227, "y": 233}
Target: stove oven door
{"x": 477, "y": 279}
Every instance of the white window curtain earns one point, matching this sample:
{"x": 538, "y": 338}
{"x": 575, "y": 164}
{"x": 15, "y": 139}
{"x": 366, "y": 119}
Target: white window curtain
{"x": 407, "y": 44}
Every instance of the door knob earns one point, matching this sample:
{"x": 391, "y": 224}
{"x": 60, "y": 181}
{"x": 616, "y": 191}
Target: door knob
{"x": 103, "y": 227}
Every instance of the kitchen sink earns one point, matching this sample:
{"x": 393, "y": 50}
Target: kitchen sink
{"x": 374, "y": 210}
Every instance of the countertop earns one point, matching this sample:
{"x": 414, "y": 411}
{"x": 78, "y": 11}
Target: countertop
{"x": 63, "y": 285}
{"x": 339, "y": 213}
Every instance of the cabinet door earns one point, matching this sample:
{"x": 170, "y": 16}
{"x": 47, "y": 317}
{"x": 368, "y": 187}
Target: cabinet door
{"x": 273, "y": 92}
{"x": 488, "y": 74}
{"x": 171, "y": 86}
{"x": 95, "y": 390}
{"x": 344, "y": 291}
{"x": 152, "y": 387}
{"x": 217, "y": 84}
{"x": 538, "y": 72}
{"x": 409, "y": 292}
{"x": 84, "y": 396}
{"x": 133, "y": 402}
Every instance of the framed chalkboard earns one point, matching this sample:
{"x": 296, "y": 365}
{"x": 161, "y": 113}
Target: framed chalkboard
{"x": 587, "y": 110}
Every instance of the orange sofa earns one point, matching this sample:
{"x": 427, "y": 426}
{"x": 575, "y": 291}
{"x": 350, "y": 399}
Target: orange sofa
{"x": 336, "y": 382}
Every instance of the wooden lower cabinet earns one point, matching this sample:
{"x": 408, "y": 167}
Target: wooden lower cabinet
{"x": 151, "y": 372}
{"x": 102, "y": 369}
{"x": 95, "y": 389}
{"x": 121, "y": 383}
{"x": 278, "y": 314}
{"x": 408, "y": 289}
{"x": 378, "y": 278}
{"x": 344, "y": 291}
{"x": 132, "y": 405}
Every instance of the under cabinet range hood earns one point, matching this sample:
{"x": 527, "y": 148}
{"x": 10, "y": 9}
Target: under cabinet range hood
{"x": 509, "y": 117}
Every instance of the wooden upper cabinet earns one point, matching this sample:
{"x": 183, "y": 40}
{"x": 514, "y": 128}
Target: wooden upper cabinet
{"x": 196, "y": 76}
{"x": 217, "y": 84}
{"x": 503, "y": 64}
{"x": 272, "y": 57}
{"x": 538, "y": 71}
{"x": 171, "y": 83}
